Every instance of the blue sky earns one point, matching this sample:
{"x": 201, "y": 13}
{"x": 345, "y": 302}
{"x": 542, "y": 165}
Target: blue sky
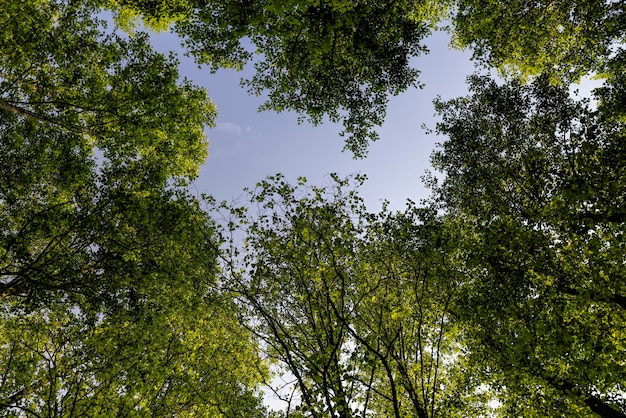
{"x": 246, "y": 145}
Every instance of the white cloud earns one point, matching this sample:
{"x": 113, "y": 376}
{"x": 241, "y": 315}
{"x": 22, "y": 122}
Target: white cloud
{"x": 229, "y": 128}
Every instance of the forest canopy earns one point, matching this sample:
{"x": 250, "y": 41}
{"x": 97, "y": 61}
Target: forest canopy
{"x": 124, "y": 294}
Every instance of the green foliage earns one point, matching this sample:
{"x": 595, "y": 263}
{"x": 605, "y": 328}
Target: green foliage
{"x": 566, "y": 39}
{"x": 110, "y": 308}
{"x": 110, "y": 93}
{"x": 340, "y": 60}
{"x": 538, "y": 183}
{"x": 112, "y": 301}
{"x": 334, "y": 59}
{"x": 179, "y": 356}
{"x": 93, "y": 129}
{"x": 353, "y": 305}
{"x": 108, "y": 305}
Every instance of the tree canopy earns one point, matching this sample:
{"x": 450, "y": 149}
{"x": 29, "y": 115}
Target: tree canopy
{"x": 504, "y": 294}
{"x": 338, "y": 60}
{"x": 94, "y": 127}
{"x": 108, "y": 268}
{"x": 538, "y": 182}
{"x": 353, "y": 306}
{"x": 342, "y": 59}
{"x": 566, "y": 39}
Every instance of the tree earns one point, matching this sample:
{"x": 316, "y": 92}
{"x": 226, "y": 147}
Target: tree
{"x": 118, "y": 312}
{"x": 405, "y": 319}
{"x": 332, "y": 59}
{"x": 90, "y": 123}
{"x": 537, "y": 183}
{"x": 353, "y": 306}
{"x": 108, "y": 275}
{"x": 175, "y": 358}
{"x": 565, "y": 38}
{"x": 97, "y": 89}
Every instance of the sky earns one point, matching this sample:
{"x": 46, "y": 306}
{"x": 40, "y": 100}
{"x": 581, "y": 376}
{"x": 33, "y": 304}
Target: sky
{"x": 246, "y": 145}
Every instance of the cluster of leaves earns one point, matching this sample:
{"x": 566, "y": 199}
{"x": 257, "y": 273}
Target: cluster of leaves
{"x": 352, "y": 306}
{"x": 510, "y": 284}
{"x": 565, "y": 39}
{"x": 107, "y": 267}
{"x": 341, "y": 59}
{"x": 338, "y": 59}
{"x": 537, "y": 182}
{"x": 179, "y": 356}
{"x": 61, "y": 70}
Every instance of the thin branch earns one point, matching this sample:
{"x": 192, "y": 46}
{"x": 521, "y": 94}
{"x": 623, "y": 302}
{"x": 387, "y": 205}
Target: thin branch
{"x": 20, "y": 111}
